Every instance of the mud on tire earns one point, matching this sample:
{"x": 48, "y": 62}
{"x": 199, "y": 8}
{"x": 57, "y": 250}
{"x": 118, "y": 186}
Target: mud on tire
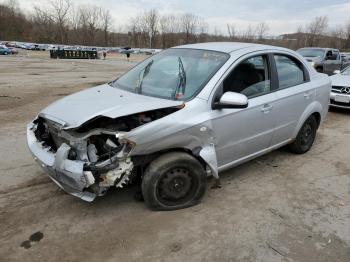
{"x": 173, "y": 181}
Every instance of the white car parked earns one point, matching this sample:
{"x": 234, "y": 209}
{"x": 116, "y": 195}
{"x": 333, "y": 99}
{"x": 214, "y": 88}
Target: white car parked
{"x": 340, "y": 94}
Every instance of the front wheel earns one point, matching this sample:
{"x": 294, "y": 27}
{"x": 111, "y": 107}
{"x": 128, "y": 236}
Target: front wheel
{"x": 305, "y": 137}
{"x": 173, "y": 181}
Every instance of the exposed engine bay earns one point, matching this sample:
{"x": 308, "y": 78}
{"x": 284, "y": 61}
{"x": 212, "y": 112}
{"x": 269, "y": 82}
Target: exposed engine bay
{"x": 97, "y": 150}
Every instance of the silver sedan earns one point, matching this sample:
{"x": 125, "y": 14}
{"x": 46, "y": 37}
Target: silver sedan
{"x": 179, "y": 116}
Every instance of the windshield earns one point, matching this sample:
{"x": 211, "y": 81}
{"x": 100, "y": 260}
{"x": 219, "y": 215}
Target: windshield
{"x": 309, "y": 52}
{"x": 346, "y": 71}
{"x": 176, "y": 74}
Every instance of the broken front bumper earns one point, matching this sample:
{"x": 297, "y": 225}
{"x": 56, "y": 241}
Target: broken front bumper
{"x": 67, "y": 174}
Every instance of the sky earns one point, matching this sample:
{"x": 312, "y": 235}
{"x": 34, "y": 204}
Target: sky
{"x": 282, "y": 16}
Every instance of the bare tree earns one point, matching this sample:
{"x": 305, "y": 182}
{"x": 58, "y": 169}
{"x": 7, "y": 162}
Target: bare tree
{"x": 134, "y": 31}
{"x": 301, "y": 38}
{"x": 44, "y": 24}
{"x": 60, "y": 15}
{"x": 13, "y": 6}
{"x": 316, "y": 29}
{"x": 203, "y": 26}
{"x": 76, "y": 35}
{"x": 90, "y": 21}
{"x": 231, "y": 30}
{"x": 336, "y": 37}
{"x": 347, "y": 35}
{"x": 262, "y": 30}
{"x": 106, "y": 23}
{"x": 13, "y": 23}
{"x": 63, "y": 22}
{"x": 217, "y": 35}
{"x": 151, "y": 19}
{"x": 188, "y": 24}
{"x": 249, "y": 33}
{"x": 203, "y": 29}
{"x": 169, "y": 26}
{"x": 165, "y": 29}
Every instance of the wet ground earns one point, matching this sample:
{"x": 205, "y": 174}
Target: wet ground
{"x": 279, "y": 207}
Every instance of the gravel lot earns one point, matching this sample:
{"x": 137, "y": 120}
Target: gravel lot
{"x": 279, "y": 207}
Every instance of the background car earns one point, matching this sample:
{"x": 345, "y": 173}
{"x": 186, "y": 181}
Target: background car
{"x": 4, "y": 50}
{"x": 340, "y": 94}
{"x": 13, "y": 50}
{"x": 324, "y": 60}
{"x": 345, "y": 57}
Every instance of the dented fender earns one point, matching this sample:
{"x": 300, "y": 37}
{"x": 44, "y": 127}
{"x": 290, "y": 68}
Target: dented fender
{"x": 177, "y": 132}
{"x": 208, "y": 154}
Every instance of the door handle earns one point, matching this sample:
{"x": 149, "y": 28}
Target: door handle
{"x": 266, "y": 108}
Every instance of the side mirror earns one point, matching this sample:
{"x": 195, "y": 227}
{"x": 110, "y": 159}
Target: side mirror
{"x": 232, "y": 100}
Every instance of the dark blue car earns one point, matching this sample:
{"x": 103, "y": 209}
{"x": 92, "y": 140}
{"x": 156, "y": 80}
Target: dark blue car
{"x": 4, "y": 50}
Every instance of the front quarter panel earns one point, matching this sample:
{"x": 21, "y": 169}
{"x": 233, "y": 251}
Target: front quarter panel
{"x": 187, "y": 128}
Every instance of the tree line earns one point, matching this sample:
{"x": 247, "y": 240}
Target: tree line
{"x": 62, "y": 22}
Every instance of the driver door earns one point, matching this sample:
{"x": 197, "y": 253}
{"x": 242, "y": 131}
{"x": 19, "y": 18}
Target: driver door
{"x": 244, "y": 133}
{"x": 332, "y": 62}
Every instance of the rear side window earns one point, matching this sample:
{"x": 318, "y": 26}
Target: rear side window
{"x": 290, "y": 71}
{"x": 332, "y": 55}
{"x": 336, "y": 55}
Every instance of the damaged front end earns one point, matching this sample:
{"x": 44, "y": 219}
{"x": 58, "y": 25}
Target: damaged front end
{"x": 88, "y": 160}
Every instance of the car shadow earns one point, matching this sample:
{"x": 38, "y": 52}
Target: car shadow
{"x": 342, "y": 111}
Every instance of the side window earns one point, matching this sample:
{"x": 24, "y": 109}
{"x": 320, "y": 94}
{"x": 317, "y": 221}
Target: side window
{"x": 329, "y": 55}
{"x": 251, "y": 77}
{"x": 290, "y": 71}
{"x": 336, "y": 55}
{"x": 332, "y": 55}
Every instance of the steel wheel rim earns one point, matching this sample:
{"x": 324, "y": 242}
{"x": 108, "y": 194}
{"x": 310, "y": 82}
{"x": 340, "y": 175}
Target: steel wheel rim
{"x": 306, "y": 134}
{"x": 176, "y": 186}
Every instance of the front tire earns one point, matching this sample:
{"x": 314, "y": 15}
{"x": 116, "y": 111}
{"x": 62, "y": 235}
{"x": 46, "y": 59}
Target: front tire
{"x": 305, "y": 137}
{"x": 174, "y": 181}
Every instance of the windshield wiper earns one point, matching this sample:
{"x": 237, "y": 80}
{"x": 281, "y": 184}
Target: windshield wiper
{"x": 142, "y": 76}
{"x": 180, "y": 89}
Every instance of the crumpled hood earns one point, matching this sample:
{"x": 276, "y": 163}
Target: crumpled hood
{"x": 340, "y": 80}
{"x": 74, "y": 110}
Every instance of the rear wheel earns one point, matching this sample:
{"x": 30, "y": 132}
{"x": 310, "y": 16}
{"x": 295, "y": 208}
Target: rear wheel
{"x": 319, "y": 69}
{"x": 305, "y": 137}
{"x": 173, "y": 181}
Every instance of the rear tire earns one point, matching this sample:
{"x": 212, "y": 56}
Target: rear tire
{"x": 319, "y": 69}
{"x": 174, "y": 181}
{"x": 305, "y": 137}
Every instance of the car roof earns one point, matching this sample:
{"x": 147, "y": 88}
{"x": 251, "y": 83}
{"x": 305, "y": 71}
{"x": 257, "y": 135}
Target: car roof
{"x": 226, "y": 47}
{"x": 320, "y": 48}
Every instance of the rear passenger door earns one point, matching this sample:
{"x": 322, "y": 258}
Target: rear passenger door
{"x": 332, "y": 62}
{"x": 294, "y": 93}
